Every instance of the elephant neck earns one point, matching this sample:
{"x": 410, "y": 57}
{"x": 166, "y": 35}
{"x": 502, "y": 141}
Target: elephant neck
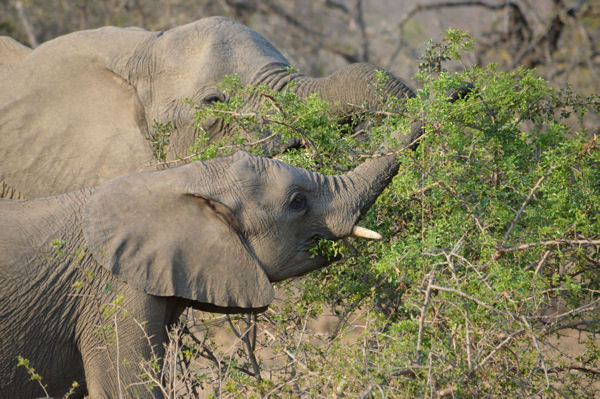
{"x": 46, "y": 219}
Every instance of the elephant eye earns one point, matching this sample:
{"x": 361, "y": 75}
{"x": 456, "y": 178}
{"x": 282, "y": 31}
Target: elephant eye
{"x": 298, "y": 202}
{"x": 213, "y": 98}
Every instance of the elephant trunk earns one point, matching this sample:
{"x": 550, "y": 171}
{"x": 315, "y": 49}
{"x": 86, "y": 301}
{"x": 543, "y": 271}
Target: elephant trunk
{"x": 356, "y": 191}
{"x": 351, "y": 86}
{"x": 357, "y": 85}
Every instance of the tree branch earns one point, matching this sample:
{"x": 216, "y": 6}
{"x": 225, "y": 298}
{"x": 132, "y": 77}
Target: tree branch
{"x": 33, "y": 42}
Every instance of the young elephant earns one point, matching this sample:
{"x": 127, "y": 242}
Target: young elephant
{"x": 212, "y": 235}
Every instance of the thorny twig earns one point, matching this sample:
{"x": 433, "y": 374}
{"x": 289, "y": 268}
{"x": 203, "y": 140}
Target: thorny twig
{"x": 423, "y": 314}
{"x": 523, "y": 205}
{"x": 250, "y": 320}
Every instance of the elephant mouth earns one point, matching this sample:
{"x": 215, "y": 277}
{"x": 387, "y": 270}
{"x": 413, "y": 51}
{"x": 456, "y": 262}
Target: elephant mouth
{"x": 322, "y": 247}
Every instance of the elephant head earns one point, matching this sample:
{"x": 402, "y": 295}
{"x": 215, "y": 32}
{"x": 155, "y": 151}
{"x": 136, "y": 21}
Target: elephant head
{"x": 217, "y": 233}
{"x": 80, "y": 109}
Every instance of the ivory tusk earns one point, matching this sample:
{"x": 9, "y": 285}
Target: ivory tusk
{"x": 361, "y": 232}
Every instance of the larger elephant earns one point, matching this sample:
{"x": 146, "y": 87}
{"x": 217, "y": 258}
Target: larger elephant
{"x": 79, "y": 109}
{"x": 212, "y": 235}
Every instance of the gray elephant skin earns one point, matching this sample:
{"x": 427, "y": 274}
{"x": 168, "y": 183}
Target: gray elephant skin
{"x": 212, "y": 235}
{"x": 87, "y": 101}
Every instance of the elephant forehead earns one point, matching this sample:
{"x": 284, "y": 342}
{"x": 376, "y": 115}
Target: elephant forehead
{"x": 219, "y": 46}
{"x": 259, "y": 177}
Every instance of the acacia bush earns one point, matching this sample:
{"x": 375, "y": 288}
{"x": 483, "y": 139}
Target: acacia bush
{"x": 490, "y": 257}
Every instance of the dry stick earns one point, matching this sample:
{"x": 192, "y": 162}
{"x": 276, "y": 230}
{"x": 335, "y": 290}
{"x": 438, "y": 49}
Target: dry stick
{"x": 281, "y": 385}
{"x": 254, "y": 329}
{"x": 572, "y": 311}
{"x": 559, "y": 369}
{"x": 157, "y": 381}
{"x": 578, "y": 243}
{"x": 173, "y": 364}
{"x": 26, "y": 24}
{"x": 360, "y": 21}
{"x": 429, "y": 377}
{"x": 452, "y": 253}
{"x": 477, "y": 301}
{"x": 304, "y": 324}
{"x": 210, "y": 356}
{"x": 118, "y": 359}
{"x": 243, "y": 336}
{"x": 497, "y": 348}
{"x": 96, "y": 300}
{"x": 426, "y": 7}
{"x": 222, "y": 376}
{"x": 468, "y": 336}
{"x": 423, "y": 312}
{"x": 524, "y": 204}
{"x": 481, "y": 276}
{"x": 542, "y": 261}
{"x": 287, "y": 352}
{"x": 250, "y": 346}
{"x": 537, "y": 346}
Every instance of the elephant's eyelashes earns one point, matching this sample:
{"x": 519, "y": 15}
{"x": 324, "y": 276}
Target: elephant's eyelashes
{"x": 298, "y": 202}
{"x": 213, "y": 98}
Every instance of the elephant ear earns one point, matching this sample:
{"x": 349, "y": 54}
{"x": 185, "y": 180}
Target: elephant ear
{"x": 153, "y": 232}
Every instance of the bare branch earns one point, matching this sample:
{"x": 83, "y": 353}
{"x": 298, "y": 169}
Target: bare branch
{"x": 423, "y": 314}
{"x": 450, "y": 4}
{"x": 471, "y": 298}
{"x": 524, "y": 204}
{"x": 33, "y": 42}
{"x": 498, "y": 347}
{"x": 572, "y": 243}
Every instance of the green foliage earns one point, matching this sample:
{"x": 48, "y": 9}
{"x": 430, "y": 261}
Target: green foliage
{"x": 329, "y": 249}
{"x": 33, "y": 375}
{"x": 57, "y": 245}
{"x": 490, "y": 225}
{"x": 161, "y": 139}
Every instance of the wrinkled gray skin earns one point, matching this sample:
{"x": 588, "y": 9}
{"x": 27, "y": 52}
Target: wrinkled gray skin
{"x": 86, "y": 101}
{"x": 212, "y": 235}
{"x": 11, "y": 52}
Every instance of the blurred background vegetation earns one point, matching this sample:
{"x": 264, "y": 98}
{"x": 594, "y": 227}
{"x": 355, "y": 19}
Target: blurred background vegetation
{"x": 558, "y": 37}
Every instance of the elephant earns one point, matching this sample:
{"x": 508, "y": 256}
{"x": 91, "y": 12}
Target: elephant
{"x": 11, "y": 52}
{"x": 211, "y": 234}
{"x": 79, "y": 109}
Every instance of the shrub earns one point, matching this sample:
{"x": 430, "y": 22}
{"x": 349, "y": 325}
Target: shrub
{"x": 491, "y": 251}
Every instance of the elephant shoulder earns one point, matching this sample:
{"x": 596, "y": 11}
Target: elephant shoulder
{"x": 37, "y": 232}
{"x": 66, "y": 120}
{"x": 16, "y": 250}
